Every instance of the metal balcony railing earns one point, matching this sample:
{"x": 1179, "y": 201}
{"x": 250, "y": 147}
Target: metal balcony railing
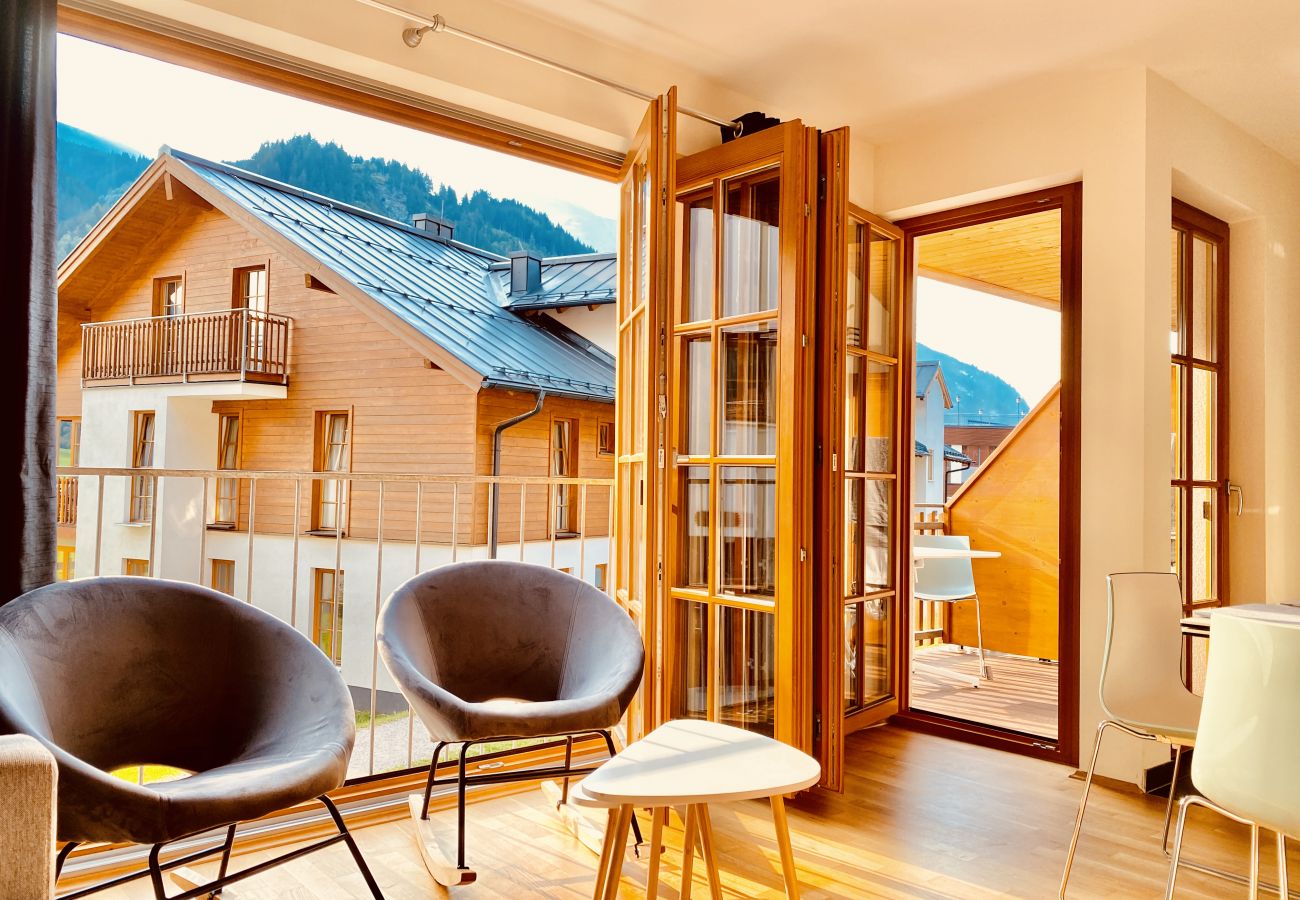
{"x": 273, "y": 556}
{"x": 237, "y": 344}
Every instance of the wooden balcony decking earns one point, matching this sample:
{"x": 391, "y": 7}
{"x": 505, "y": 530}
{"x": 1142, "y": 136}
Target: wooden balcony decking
{"x": 921, "y": 817}
{"x": 230, "y": 345}
{"x": 1020, "y": 696}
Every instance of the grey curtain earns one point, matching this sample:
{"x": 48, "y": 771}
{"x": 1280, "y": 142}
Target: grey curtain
{"x": 27, "y": 305}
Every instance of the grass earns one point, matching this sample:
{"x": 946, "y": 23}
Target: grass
{"x": 363, "y": 717}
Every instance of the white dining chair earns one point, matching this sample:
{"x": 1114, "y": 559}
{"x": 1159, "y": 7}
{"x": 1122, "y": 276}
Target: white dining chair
{"x": 1142, "y": 690}
{"x": 949, "y": 581}
{"x": 1247, "y": 760}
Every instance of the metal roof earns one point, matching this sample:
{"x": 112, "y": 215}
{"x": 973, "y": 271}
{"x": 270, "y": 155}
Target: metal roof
{"x": 444, "y": 289}
{"x": 587, "y": 280}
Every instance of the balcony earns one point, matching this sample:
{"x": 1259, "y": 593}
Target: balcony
{"x": 66, "y": 501}
{"x": 230, "y": 345}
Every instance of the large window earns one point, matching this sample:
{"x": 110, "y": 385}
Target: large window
{"x": 69, "y": 442}
{"x": 251, "y": 293}
{"x": 226, "y": 509}
{"x": 223, "y": 576}
{"x": 138, "y": 567}
{"x": 1198, "y": 388}
{"x": 168, "y": 296}
{"x": 142, "y": 486}
{"x": 327, "y": 613}
{"x": 65, "y": 563}
{"x": 564, "y": 464}
{"x": 333, "y": 454}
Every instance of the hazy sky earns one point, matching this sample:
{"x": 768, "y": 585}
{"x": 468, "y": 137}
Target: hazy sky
{"x": 143, "y": 104}
{"x": 1019, "y": 343}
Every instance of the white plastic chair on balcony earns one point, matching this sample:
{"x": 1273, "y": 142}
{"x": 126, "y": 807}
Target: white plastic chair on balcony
{"x": 1245, "y": 763}
{"x": 1142, "y": 690}
{"x": 949, "y": 581}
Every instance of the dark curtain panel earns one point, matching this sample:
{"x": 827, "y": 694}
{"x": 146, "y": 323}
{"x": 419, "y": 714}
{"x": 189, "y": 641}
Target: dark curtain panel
{"x": 27, "y": 307}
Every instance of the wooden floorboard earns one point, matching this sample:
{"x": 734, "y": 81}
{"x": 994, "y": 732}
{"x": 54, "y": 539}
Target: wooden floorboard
{"x": 921, "y": 817}
{"x": 1020, "y": 695}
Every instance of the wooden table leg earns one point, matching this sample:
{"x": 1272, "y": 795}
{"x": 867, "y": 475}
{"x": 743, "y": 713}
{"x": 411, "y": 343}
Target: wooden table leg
{"x": 783, "y": 842}
{"x": 688, "y": 854}
{"x": 617, "y": 850}
{"x": 656, "y": 844}
{"x": 602, "y": 868}
{"x": 710, "y": 857}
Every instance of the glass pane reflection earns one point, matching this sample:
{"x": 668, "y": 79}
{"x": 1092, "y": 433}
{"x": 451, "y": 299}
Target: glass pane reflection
{"x": 747, "y": 526}
{"x": 747, "y": 669}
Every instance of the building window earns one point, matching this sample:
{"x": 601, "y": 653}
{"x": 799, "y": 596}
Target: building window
{"x": 605, "y": 437}
{"x": 142, "y": 458}
{"x": 69, "y": 442}
{"x": 138, "y": 567}
{"x": 168, "y": 297}
{"x": 327, "y": 613}
{"x": 564, "y": 456}
{"x": 69, "y": 454}
{"x": 227, "y": 505}
{"x": 333, "y": 454}
{"x": 1198, "y": 393}
{"x": 223, "y": 576}
{"x": 65, "y": 563}
{"x": 599, "y": 580}
{"x": 251, "y": 289}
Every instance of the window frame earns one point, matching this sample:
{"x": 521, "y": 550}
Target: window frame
{"x": 1190, "y": 223}
{"x": 74, "y": 450}
{"x": 239, "y": 299}
{"x": 335, "y": 603}
{"x": 227, "y": 490}
{"x": 226, "y": 566}
{"x": 320, "y": 452}
{"x": 140, "y": 498}
{"x": 605, "y": 433}
{"x": 158, "y": 307}
{"x": 564, "y": 497}
{"x": 141, "y": 567}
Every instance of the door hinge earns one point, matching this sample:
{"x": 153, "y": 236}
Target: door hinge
{"x": 835, "y": 462}
{"x": 821, "y": 187}
{"x": 663, "y": 406}
{"x": 817, "y": 726}
{"x": 807, "y": 210}
{"x": 803, "y": 554}
{"x": 803, "y": 340}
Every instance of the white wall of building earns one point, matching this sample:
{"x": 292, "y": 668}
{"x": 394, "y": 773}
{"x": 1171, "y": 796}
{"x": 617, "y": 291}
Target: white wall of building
{"x": 599, "y": 325}
{"x": 927, "y": 427}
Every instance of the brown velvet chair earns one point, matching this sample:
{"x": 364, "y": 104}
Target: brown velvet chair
{"x": 492, "y": 650}
{"x": 115, "y": 672}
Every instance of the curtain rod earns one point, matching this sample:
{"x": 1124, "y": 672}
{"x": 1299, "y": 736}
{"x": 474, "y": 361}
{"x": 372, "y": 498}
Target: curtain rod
{"x": 438, "y": 25}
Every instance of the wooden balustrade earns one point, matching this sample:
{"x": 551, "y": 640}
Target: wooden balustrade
{"x": 243, "y": 343}
{"x": 66, "y": 502}
{"x": 930, "y": 620}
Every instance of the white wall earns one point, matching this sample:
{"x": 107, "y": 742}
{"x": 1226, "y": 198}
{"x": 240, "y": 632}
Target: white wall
{"x": 599, "y": 325}
{"x": 927, "y": 427}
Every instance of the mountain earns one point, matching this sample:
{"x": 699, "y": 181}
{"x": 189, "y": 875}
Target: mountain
{"x": 600, "y": 232}
{"x": 93, "y": 173}
{"x": 398, "y": 191}
{"x": 976, "y": 394}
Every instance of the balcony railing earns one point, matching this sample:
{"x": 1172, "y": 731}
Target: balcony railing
{"x": 400, "y": 524}
{"x": 66, "y": 503}
{"x": 237, "y": 344}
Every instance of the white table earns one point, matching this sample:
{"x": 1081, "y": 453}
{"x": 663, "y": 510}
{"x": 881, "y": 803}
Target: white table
{"x": 692, "y": 763}
{"x": 1198, "y": 624}
{"x": 919, "y": 556}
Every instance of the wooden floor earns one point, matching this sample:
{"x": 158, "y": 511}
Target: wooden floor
{"x": 1021, "y": 693}
{"x": 921, "y": 816}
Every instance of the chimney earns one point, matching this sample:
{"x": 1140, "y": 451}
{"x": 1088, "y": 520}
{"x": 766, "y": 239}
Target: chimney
{"x": 525, "y": 273}
{"x": 438, "y": 229}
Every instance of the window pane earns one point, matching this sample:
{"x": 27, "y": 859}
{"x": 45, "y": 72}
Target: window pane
{"x": 1176, "y": 291}
{"x": 1175, "y": 529}
{"x": 877, "y": 628}
{"x": 884, "y": 288}
{"x": 1176, "y": 420}
{"x": 690, "y": 699}
{"x": 697, "y": 390}
{"x": 747, "y": 669}
{"x": 1204, "y": 545}
{"x": 65, "y": 443}
{"x": 877, "y": 553}
{"x": 747, "y": 522}
{"x": 854, "y": 260}
{"x": 852, "y": 639}
{"x": 1204, "y": 297}
{"x": 751, "y": 245}
{"x": 749, "y": 390}
{"x": 695, "y": 526}
{"x": 880, "y": 417}
{"x": 853, "y": 378}
{"x": 853, "y": 538}
{"x": 699, "y": 267}
{"x": 637, "y": 362}
{"x": 1204, "y": 424}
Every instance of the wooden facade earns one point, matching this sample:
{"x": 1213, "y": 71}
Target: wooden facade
{"x": 406, "y": 414}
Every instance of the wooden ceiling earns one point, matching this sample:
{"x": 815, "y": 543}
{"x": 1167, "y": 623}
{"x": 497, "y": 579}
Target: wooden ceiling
{"x": 1018, "y": 258}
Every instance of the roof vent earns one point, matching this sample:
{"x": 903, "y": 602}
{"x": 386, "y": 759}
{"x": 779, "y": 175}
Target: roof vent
{"x": 439, "y": 229}
{"x": 525, "y": 273}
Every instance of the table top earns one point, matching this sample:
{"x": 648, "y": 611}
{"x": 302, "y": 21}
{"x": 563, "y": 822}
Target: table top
{"x": 1200, "y": 620}
{"x": 690, "y": 761}
{"x": 953, "y": 553}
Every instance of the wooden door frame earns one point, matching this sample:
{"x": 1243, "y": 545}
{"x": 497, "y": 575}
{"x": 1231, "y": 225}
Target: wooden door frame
{"x": 1069, "y": 199}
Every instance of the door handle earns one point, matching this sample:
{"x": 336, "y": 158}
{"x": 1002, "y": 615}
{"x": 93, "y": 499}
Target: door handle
{"x": 1241, "y": 495}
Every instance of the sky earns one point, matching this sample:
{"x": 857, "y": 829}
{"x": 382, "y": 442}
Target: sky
{"x": 1019, "y": 343}
{"x": 143, "y": 104}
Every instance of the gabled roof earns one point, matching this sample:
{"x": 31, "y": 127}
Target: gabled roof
{"x": 436, "y": 292}
{"x": 926, "y": 372}
{"x": 587, "y": 280}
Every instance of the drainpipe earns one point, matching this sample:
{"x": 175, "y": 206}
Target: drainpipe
{"x": 497, "y": 431}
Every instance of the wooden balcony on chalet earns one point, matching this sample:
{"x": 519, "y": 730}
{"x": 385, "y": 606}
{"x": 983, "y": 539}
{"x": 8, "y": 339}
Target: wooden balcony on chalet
{"x": 229, "y": 345}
